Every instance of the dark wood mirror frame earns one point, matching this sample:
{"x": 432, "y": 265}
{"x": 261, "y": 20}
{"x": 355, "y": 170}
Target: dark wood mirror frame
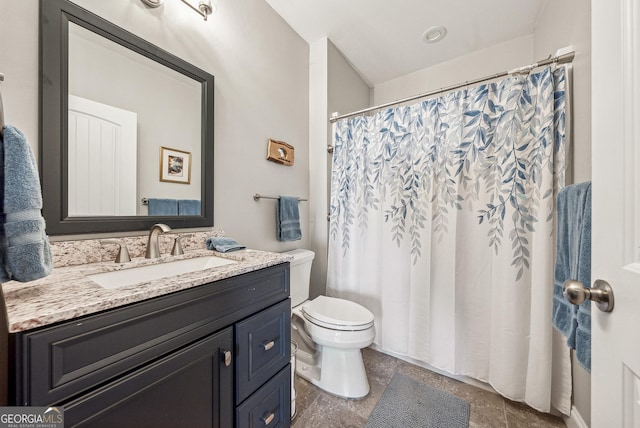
{"x": 55, "y": 16}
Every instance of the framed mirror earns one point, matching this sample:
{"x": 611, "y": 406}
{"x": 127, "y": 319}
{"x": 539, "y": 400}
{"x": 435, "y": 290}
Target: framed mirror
{"x": 126, "y": 129}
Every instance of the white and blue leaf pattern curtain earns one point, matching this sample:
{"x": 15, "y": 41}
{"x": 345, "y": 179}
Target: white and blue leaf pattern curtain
{"x": 442, "y": 225}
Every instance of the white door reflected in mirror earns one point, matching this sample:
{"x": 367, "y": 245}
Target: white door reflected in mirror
{"x": 102, "y": 159}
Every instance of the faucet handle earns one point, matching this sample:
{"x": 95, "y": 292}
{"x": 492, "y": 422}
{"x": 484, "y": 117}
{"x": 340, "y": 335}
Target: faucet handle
{"x": 177, "y": 246}
{"x": 123, "y": 251}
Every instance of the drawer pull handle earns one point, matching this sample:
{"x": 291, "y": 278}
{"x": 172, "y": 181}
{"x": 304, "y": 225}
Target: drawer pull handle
{"x": 267, "y": 419}
{"x": 268, "y": 345}
{"x": 227, "y": 358}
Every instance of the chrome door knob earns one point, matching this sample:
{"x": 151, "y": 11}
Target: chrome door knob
{"x": 600, "y": 293}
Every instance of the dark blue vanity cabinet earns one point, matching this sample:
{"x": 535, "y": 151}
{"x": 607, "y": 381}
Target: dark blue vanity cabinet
{"x": 215, "y": 355}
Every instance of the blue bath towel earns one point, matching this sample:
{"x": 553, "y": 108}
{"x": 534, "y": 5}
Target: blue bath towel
{"x": 189, "y": 207}
{"x": 583, "y": 336}
{"x": 24, "y": 247}
{"x": 223, "y": 245}
{"x": 163, "y": 206}
{"x": 288, "y": 219}
{"x": 583, "y": 333}
{"x": 573, "y": 261}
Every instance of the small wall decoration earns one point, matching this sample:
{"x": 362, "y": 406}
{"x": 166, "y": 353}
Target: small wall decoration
{"x": 280, "y": 152}
{"x": 175, "y": 166}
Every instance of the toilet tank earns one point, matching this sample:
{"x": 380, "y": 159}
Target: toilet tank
{"x": 300, "y": 275}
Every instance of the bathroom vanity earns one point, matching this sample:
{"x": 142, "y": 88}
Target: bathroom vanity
{"x": 213, "y": 352}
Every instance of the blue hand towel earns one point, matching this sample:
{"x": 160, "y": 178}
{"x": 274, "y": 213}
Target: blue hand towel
{"x": 573, "y": 261}
{"x": 189, "y": 207}
{"x": 163, "y": 206}
{"x": 288, "y": 219}
{"x": 223, "y": 245}
{"x": 24, "y": 246}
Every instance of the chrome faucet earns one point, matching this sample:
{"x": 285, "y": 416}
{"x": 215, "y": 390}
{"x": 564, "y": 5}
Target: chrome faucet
{"x": 153, "y": 249}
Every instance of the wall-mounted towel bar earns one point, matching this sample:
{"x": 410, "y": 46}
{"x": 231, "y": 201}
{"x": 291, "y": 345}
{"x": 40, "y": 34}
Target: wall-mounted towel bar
{"x": 258, "y": 196}
{"x": 145, "y": 201}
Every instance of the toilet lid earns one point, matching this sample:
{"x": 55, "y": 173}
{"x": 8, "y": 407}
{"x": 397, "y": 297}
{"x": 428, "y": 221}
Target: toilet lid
{"x": 337, "y": 314}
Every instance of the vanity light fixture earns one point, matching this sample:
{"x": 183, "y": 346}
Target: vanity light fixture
{"x": 205, "y": 7}
{"x": 153, "y": 3}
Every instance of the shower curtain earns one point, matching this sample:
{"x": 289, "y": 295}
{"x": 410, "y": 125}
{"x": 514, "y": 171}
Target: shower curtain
{"x": 442, "y": 224}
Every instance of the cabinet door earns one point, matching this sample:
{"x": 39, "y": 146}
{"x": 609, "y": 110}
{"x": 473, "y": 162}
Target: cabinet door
{"x": 190, "y": 387}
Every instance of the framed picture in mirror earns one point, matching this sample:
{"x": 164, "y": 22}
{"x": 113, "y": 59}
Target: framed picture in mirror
{"x": 175, "y": 166}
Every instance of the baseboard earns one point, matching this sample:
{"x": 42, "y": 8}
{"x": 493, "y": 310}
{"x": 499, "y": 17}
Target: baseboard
{"x": 575, "y": 420}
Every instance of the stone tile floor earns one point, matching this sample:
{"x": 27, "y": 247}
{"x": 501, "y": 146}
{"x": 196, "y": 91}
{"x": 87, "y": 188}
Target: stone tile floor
{"x": 317, "y": 409}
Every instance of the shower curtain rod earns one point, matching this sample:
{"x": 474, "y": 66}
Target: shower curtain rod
{"x": 559, "y": 59}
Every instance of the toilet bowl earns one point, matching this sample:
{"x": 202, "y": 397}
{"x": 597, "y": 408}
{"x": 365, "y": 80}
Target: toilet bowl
{"x": 330, "y": 334}
{"x": 337, "y": 330}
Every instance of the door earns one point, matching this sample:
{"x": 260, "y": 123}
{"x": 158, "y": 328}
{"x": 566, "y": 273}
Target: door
{"x": 615, "y": 364}
{"x": 103, "y": 148}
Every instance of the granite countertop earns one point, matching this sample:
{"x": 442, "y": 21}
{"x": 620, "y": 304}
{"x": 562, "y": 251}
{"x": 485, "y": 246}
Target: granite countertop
{"x": 67, "y": 293}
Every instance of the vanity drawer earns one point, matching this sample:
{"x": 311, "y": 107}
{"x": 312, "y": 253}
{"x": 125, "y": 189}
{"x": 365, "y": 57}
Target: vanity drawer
{"x": 263, "y": 347}
{"x": 55, "y": 363}
{"x": 270, "y": 406}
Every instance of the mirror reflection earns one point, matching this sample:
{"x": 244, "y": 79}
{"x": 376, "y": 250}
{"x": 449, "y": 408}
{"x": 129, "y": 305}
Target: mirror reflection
{"x": 122, "y": 121}
{"x": 124, "y": 112}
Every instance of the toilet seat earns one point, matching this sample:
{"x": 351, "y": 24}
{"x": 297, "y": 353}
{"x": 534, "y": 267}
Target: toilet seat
{"x": 337, "y": 314}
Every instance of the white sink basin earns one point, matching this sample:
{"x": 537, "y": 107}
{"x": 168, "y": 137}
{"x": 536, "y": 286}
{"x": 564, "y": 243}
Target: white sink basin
{"x": 124, "y": 277}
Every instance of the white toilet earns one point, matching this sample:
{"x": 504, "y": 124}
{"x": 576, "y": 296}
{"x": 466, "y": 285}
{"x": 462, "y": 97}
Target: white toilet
{"x": 330, "y": 333}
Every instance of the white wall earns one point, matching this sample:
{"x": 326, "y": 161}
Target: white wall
{"x": 560, "y": 24}
{"x": 261, "y": 91}
{"x": 318, "y": 107}
{"x": 334, "y": 87}
{"x": 19, "y": 63}
{"x": 347, "y": 90}
{"x": 568, "y": 23}
{"x": 484, "y": 62}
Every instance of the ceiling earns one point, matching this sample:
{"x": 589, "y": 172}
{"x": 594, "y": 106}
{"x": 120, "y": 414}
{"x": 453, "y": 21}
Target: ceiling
{"x": 382, "y": 38}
